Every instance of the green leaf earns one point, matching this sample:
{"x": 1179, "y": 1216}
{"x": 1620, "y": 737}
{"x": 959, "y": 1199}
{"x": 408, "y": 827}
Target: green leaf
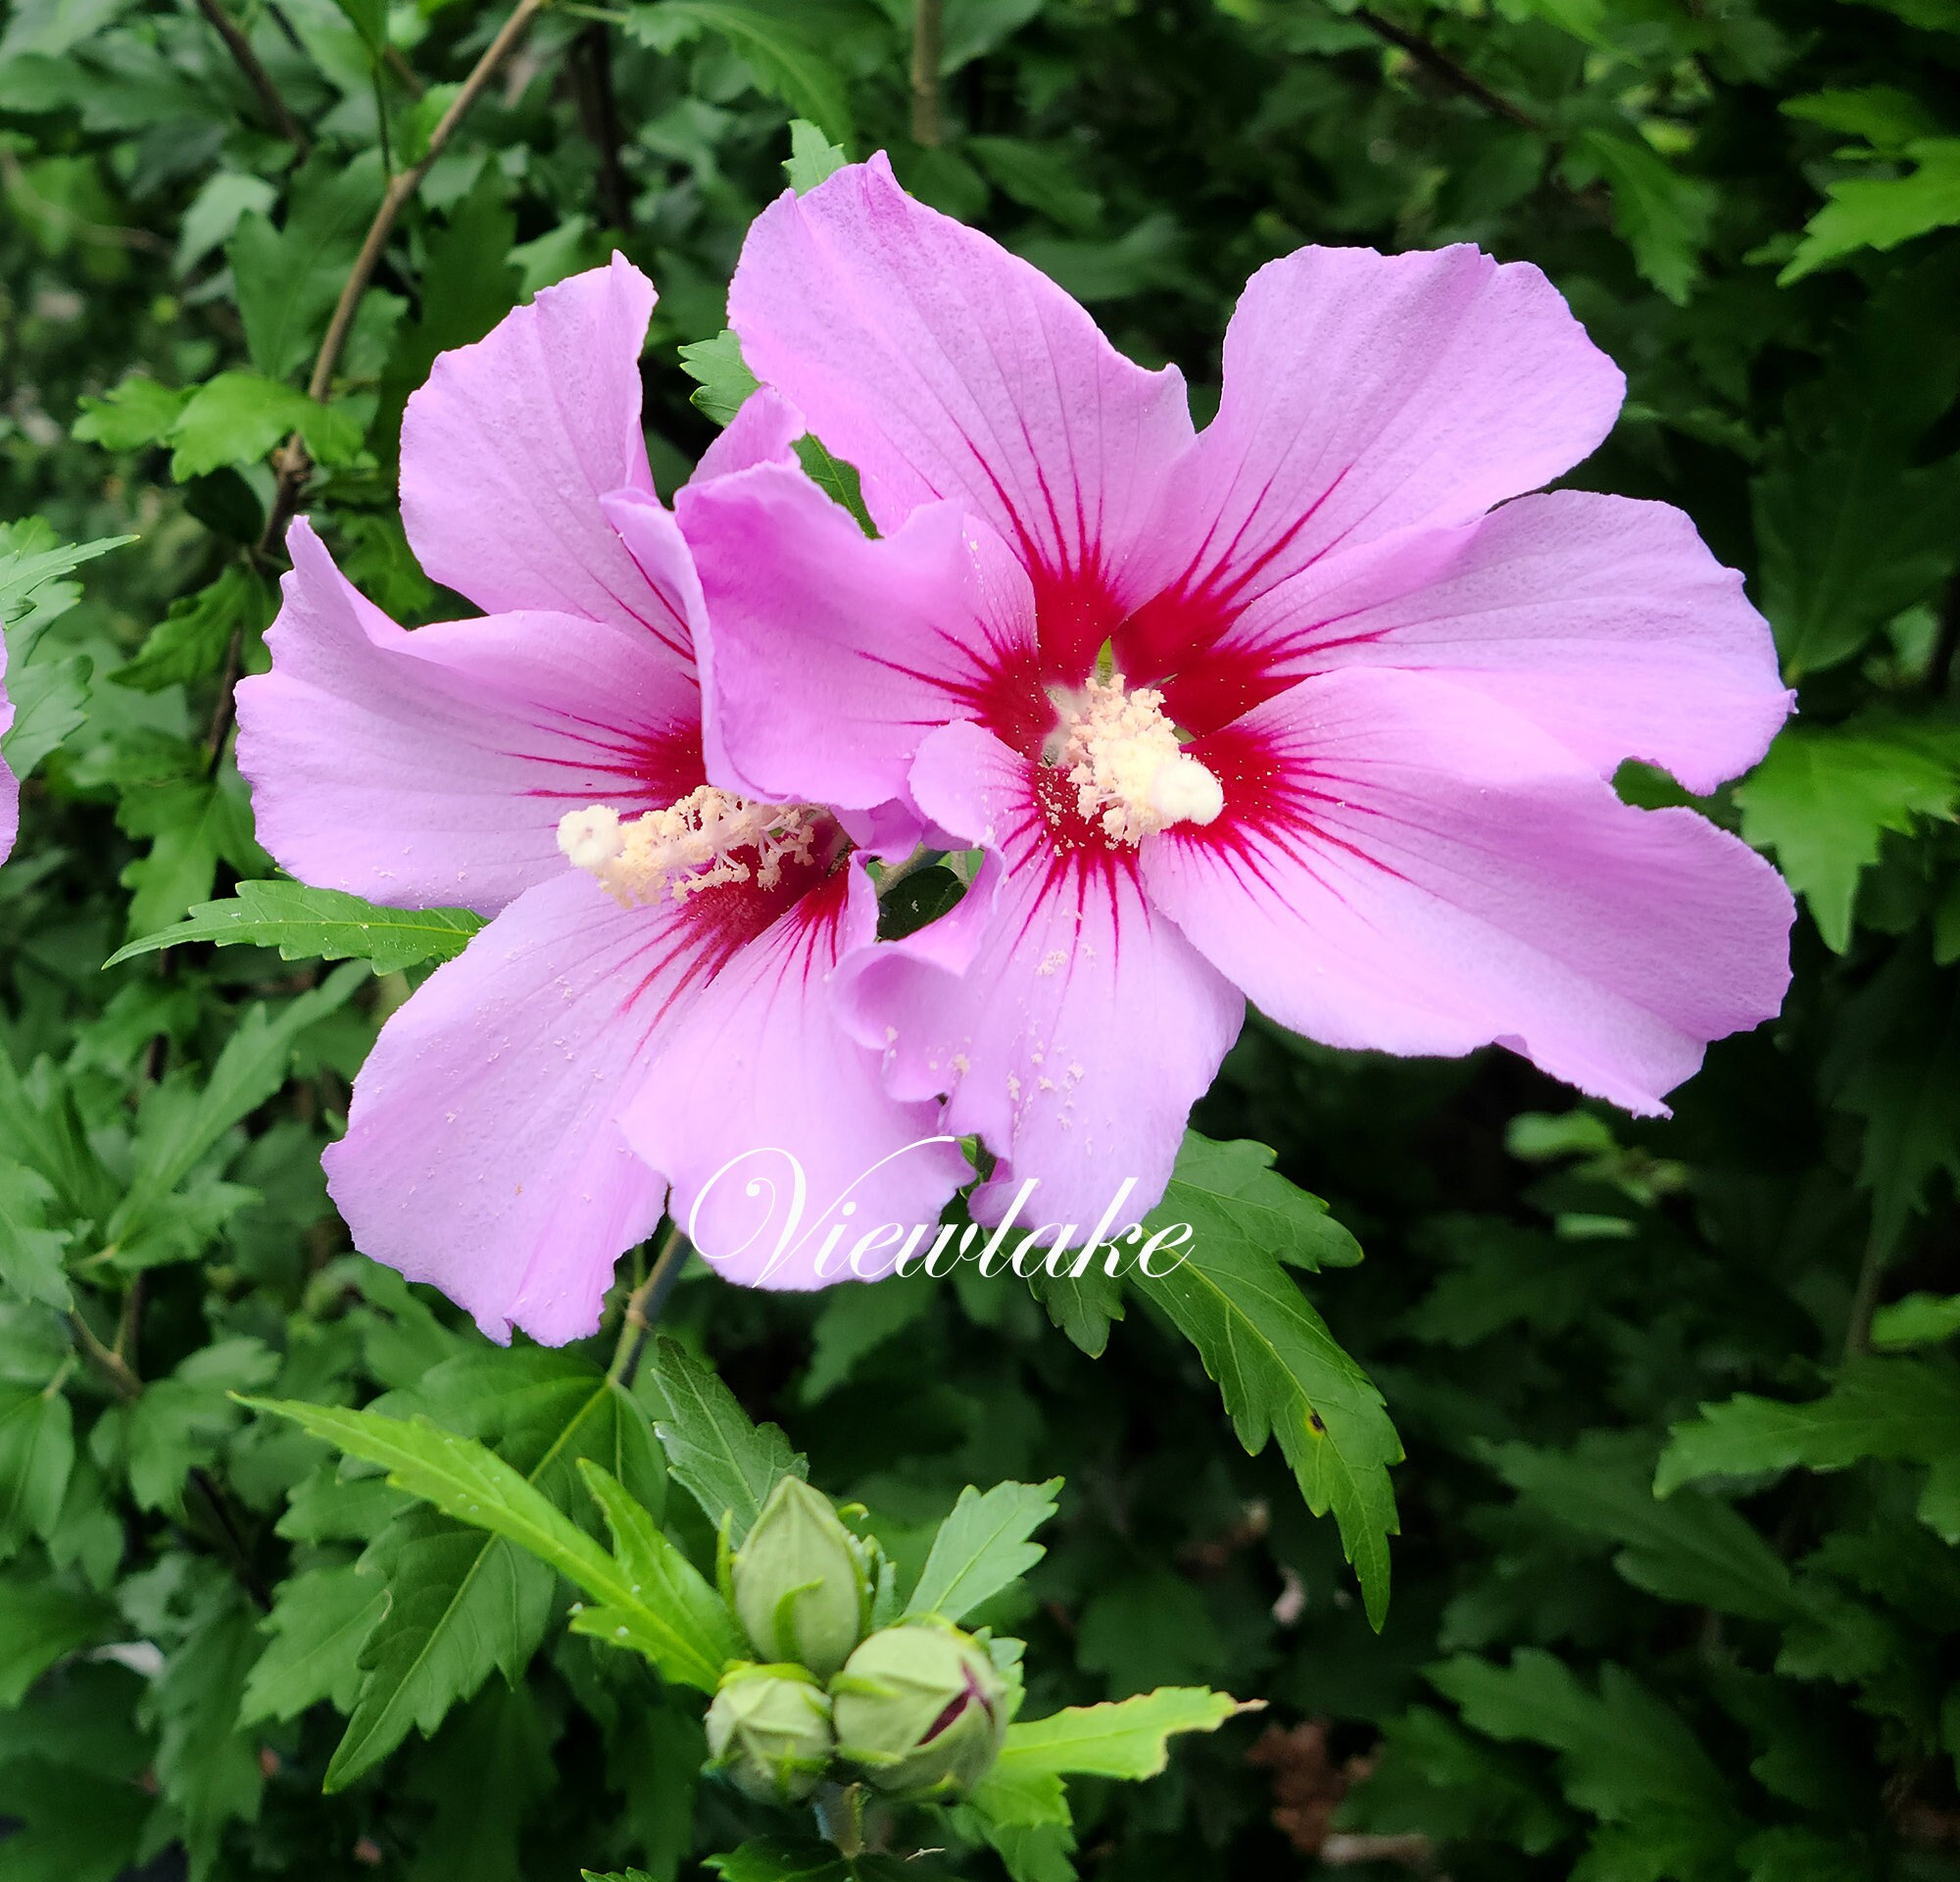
{"x": 252, "y": 1066}
{"x": 238, "y": 416}
{"x": 983, "y": 1547}
{"x": 780, "y": 51}
{"x": 726, "y": 380}
{"x": 1823, "y": 797}
{"x": 75, "y": 1826}
{"x": 1043, "y": 176}
{"x": 812, "y": 157}
{"x": 1663, "y": 217}
{"x": 36, "y": 1455}
{"x": 23, "y": 569}
{"x": 1898, "y": 1408}
{"x": 1919, "y": 1319}
{"x": 40, "y": 1622}
{"x": 1881, "y": 115}
{"x": 1895, "y": 1061}
{"x": 288, "y": 279}
{"x": 317, "y": 925}
{"x": 317, "y": 1627}
{"x": 728, "y": 1464}
{"x": 681, "y": 1623}
{"x": 194, "y": 825}
{"x": 1277, "y": 1367}
{"x": 465, "y": 1481}
{"x": 1868, "y": 212}
{"x": 1625, "y": 1755}
{"x": 30, "y": 1251}
{"x": 1690, "y": 1548}
{"x": 837, "y": 479}
{"x": 136, "y": 412}
{"x": 180, "y": 1423}
{"x": 1128, "y": 1738}
{"x": 1230, "y": 1191}
{"x": 464, "y": 1603}
{"x": 190, "y": 643}
{"x": 206, "y": 1766}
{"x": 1852, "y": 523}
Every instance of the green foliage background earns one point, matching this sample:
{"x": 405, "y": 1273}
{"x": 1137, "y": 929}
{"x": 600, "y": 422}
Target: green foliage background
{"x": 1676, "y": 1591}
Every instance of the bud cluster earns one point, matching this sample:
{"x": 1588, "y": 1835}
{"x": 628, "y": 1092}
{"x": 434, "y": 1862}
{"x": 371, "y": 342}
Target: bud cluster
{"x": 916, "y": 1709}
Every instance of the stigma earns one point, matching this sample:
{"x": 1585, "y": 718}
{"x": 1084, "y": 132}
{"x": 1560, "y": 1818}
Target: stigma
{"x": 1132, "y": 776}
{"x": 707, "y": 840}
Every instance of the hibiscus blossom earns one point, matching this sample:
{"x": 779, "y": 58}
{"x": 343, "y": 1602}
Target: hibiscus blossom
{"x": 648, "y": 1001}
{"x": 1285, "y": 710}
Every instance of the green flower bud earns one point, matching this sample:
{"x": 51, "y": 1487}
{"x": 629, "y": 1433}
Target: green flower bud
{"x": 800, "y": 1592}
{"x": 921, "y": 1706}
{"x": 769, "y": 1732}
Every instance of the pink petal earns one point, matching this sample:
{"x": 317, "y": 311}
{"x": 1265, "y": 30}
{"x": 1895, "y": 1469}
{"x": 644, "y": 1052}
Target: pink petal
{"x": 483, "y": 1152}
{"x": 1407, "y": 865}
{"x": 431, "y": 768}
{"x": 763, "y": 431}
{"x": 1364, "y": 393}
{"x": 941, "y": 365}
{"x": 508, "y": 448}
{"x": 771, "y": 1120}
{"x": 829, "y": 657}
{"x": 1070, "y": 1025}
{"x": 1604, "y": 621}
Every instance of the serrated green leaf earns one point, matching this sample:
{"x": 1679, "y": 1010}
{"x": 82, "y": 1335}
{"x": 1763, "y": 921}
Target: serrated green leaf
{"x": 723, "y": 376}
{"x": 238, "y": 416}
{"x": 1128, "y": 1738}
{"x": 317, "y": 1629}
{"x": 1823, "y": 797}
{"x": 317, "y": 925}
{"x": 1919, "y": 1319}
{"x": 30, "y": 1251}
{"x": 983, "y": 1547}
{"x": 728, "y": 1461}
{"x": 674, "y": 1618}
{"x": 812, "y": 157}
{"x": 1881, "y": 213}
{"x": 1897, "y": 1408}
{"x": 40, "y": 1622}
{"x": 1277, "y": 1367}
{"x": 787, "y": 61}
{"x": 127, "y": 416}
{"x": 190, "y": 643}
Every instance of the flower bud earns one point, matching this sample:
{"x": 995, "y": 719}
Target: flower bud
{"x": 769, "y": 1732}
{"x": 921, "y": 1706}
{"x": 800, "y": 1593}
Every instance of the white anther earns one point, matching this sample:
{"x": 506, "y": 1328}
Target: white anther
{"x": 708, "y": 838}
{"x": 1131, "y": 775}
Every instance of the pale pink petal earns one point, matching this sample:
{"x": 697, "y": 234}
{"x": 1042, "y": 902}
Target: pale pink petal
{"x": 772, "y": 1121}
{"x": 763, "y": 431}
{"x": 483, "y": 1152}
{"x": 508, "y": 448}
{"x": 943, "y": 367}
{"x": 1067, "y": 1023}
{"x": 1407, "y": 865}
{"x": 828, "y": 657}
{"x": 1604, "y": 621}
{"x": 431, "y": 768}
{"x": 1364, "y": 393}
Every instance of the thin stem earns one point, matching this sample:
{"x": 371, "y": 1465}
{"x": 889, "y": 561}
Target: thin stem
{"x": 644, "y": 1306}
{"x": 256, "y": 74}
{"x": 592, "y": 78}
{"x": 294, "y": 463}
{"x": 110, "y": 1365}
{"x": 1439, "y": 64}
{"x": 1865, "y": 1297}
{"x": 928, "y": 46}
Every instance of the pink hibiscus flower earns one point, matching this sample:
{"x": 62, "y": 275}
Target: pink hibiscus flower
{"x": 1284, "y": 709}
{"x": 648, "y": 1002}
